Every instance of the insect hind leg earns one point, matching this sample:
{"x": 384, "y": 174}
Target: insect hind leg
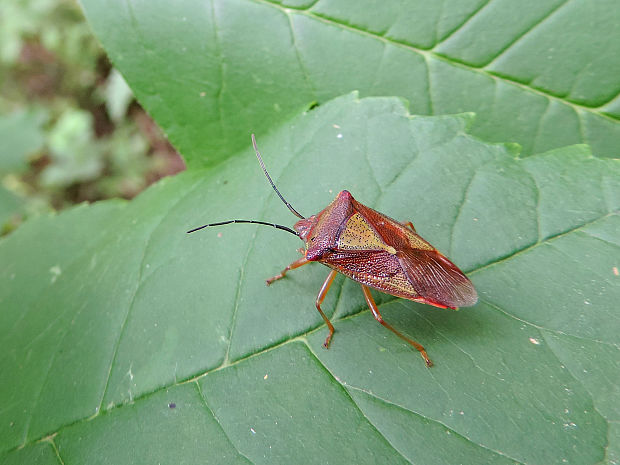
{"x": 409, "y": 224}
{"x": 319, "y": 300}
{"x": 375, "y": 313}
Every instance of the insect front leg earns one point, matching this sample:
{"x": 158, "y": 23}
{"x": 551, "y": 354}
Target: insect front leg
{"x": 319, "y": 300}
{"x": 375, "y": 312}
{"x": 296, "y": 264}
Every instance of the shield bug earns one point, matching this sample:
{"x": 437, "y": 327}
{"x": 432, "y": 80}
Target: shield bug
{"x": 374, "y": 250}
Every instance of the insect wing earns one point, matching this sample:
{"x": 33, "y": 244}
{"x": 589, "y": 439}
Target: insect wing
{"x": 378, "y": 269}
{"x": 436, "y": 279}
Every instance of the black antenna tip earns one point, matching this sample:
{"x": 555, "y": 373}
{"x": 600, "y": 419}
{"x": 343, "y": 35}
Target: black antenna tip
{"x": 262, "y": 165}
{"x": 273, "y": 225}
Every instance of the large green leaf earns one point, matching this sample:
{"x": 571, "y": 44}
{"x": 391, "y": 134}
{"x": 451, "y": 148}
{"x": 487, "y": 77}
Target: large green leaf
{"x": 545, "y": 74}
{"x": 126, "y": 340}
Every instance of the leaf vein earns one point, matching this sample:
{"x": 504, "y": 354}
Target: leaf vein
{"x": 139, "y": 282}
{"x": 355, "y": 404}
{"x": 45, "y": 378}
{"x": 217, "y": 420}
{"x": 580, "y": 383}
{"x": 302, "y": 65}
{"x": 526, "y": 249}
{"x": 542, "y": 328}
{"x": 460, "y": 210}
{"x": 429, "y": 84}
{"x": 525, "y": 33}
{"x": 432, "y": 420}
{"x": 465, "y": 22}
{"x": 56, "y": 451}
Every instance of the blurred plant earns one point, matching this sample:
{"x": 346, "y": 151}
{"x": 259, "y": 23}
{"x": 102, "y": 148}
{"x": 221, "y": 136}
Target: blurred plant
{"x": 70, "y": 128}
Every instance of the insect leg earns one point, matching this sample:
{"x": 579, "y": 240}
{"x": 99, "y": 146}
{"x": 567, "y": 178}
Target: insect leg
{"x": 319, "y": 300}
{"x": 410, "y": 225}
{"x": 296, "y": 264}
{"x": 379, "y": 318}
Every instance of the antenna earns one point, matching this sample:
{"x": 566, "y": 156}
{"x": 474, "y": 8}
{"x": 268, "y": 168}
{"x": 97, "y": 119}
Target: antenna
{"x": 262, "y": 165}
{"x": 277, "y": 226}
{"x": 273, "y": 225}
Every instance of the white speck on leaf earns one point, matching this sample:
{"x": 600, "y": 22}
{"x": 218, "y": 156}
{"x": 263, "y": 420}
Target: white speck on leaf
{"x": 55, "y": 271}
{"x": 534, "y": 341}
{"x": 252, "y": 430}
{"x": 339, "y": 136}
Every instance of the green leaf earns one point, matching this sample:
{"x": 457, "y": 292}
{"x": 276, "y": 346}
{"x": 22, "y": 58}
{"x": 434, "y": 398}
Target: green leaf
{"x": 21, "y": 136}
{"x": 123, "y": 334}
{"x": 11, "y": 206}
{"x": 542, "y": 74}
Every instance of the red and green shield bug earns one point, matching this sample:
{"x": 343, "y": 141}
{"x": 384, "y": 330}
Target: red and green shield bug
{"x": 376, "y": 251}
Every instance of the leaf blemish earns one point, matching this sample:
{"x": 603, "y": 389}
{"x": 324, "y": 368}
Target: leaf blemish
{"x": 55, "y": 271}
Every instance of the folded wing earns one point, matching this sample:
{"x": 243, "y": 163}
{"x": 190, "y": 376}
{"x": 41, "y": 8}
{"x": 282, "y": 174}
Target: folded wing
{"x": 436, "y": 279}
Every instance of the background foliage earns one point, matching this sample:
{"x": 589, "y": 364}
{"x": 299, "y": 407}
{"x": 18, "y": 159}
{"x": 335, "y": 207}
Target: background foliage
{"x": 129, "y": 337}
{"x": 70, "y": 130}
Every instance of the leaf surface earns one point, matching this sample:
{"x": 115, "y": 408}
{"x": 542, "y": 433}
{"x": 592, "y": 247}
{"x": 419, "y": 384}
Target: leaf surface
{"x": 544, "y": 74}
{"x": 128, "y": 336}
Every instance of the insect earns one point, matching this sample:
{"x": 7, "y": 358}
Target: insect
{"x": 374, "y": 250}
